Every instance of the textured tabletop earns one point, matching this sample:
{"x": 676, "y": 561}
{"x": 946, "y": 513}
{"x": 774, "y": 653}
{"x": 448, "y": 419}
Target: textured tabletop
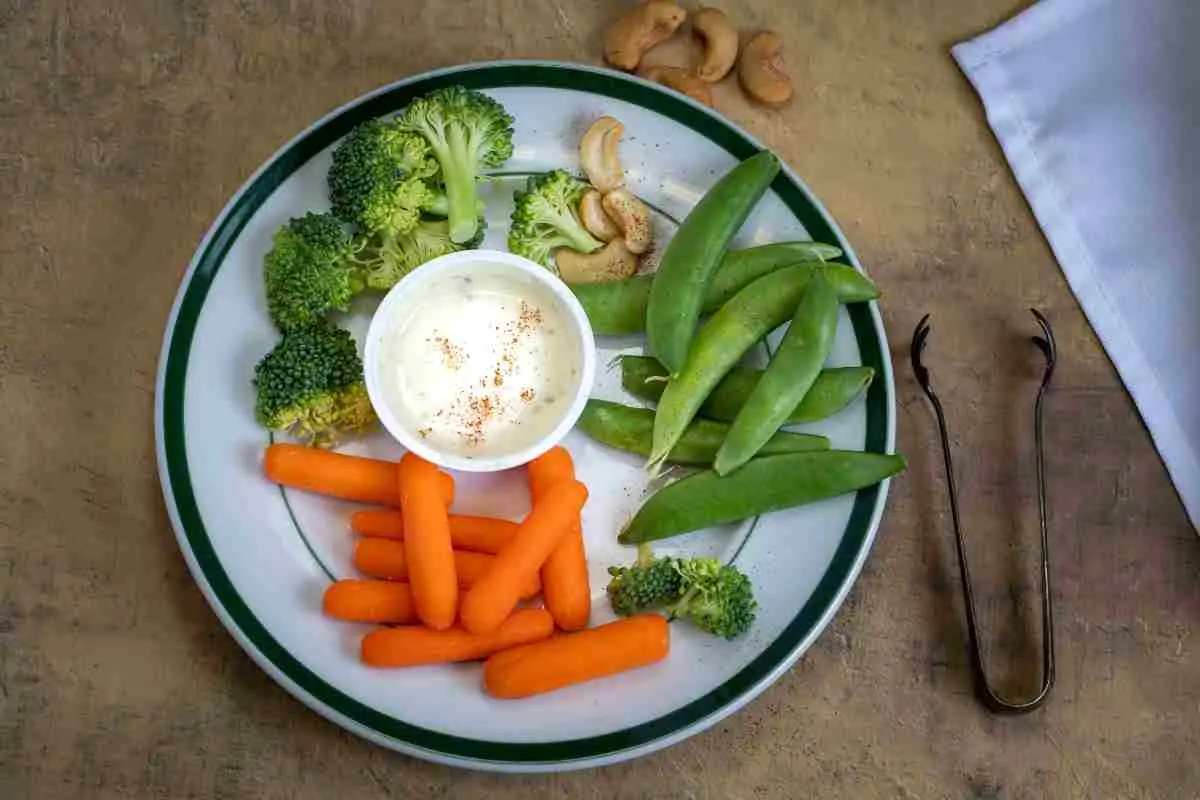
{"x": 124, "y": 127}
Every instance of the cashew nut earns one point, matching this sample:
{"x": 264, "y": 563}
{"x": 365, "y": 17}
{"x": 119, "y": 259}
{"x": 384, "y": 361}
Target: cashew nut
{"x": 594, "y": 218}
{"x": 720, "y": 40}
{"x": 632, "y": 218}
{"x": 639, "y": 29}
{"x": 615, "y": 262}
{"x": 681, "y": 80}
{"x": 598, "y": 154}
{"x": 761, "y": 70}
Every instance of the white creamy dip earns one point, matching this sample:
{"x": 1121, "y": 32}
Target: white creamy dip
{"x": 479, "y": 362}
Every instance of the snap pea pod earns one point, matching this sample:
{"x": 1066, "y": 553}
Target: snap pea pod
{"x": 615, "y": 308}
{"x": 834, "y": 388}
{"x": 630, "y": 428}
{"x": 618, "y": 308}
{"x": 740, "y": 267}
{"x": 720, "y": 343}
{"x": 769, "y": 483}
{"x": 688, "y": 262}
{"x": 787, "y": 377}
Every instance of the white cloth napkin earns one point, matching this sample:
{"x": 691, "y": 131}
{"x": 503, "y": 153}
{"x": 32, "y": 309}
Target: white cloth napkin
{"x": 1096, "y": 104}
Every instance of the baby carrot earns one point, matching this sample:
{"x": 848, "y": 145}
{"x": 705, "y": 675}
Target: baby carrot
{"x": 370, "y": 601}
{"x": 387, "y": 559}
{"x": 355, "y": 478}
{"x": 568, "y": 594}
{"x": 427, "y": 548}
{"x": 481, "y": 534}
{"x": 494, "y": 595}
{"x": 411, "y": 646}
{"x": 573, "y": 658}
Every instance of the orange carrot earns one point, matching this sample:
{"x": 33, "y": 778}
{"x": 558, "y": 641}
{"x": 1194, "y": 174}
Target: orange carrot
{"x": 481, "y": 534}
{"x": 572, "y": 658}
{"x": 387, "y": 559}
{"x": 427, "y": 548}
{"x": 497, "y": 591}
{"x": 565, "y": 573}
{"x": 370, "y": 601}
{"x": 362, "y": 480}
{"x": 411, "y": 646}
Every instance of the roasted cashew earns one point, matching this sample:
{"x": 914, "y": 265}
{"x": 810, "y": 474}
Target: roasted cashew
{"x": 632, "y": 218}
{"x": 615, "y": 262}
{"x": 681, "y": 80}
{"x": 760, "y": 70}
{"x": 595, "y": 219}
{"x": 639, "y": 29}
{"x": 598, "y": 154}
{"x": 720, "y": 39}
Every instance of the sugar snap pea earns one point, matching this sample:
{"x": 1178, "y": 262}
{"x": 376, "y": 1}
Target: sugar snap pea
{"x": 644, "y": 378}
{"x": 765, "y": 484}
{"x": 787, "y": 377}
{"x": 740, "y": 267}
{"x": 618, "y": 308}
{"x": 720, "y": 343}
{"x": 687, "y": 264}
{"x": 615, "y": 308}
{"x": 630, "y": 428}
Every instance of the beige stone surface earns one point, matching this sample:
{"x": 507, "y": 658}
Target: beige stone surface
{"x": 124, "y": 126}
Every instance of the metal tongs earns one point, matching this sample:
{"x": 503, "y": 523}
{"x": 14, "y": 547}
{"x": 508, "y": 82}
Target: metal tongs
{"x": 983, "y": 689}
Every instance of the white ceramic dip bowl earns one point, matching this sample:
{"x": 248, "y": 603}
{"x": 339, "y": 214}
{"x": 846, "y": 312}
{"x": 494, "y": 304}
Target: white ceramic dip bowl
{"x": 479, "y": 361}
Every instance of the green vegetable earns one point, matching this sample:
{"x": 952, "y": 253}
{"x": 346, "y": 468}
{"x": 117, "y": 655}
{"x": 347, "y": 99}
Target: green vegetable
{"x": 618, "y": 308}
{"x": 834, "y": 388}
{"x": 787, "y": 377}
{"x": 309, "y": 270}
{"x": 386, "y": 259}
{"x": 311, "y": 385}
{"x": 717, "y": 598}
{"x": 467, "y": 132}
{"x": 687, "y": 264}
{"x": 649, "y": 584}
{"x": 630, "y": 428}
{"x": 439, "y": 206}
{"x": 770, "y": 483}
{"x": 546, "y": 216}
{"x": 719, "y": 344}
{"x": 714, "y": 597}
{"x": 739, "y": 268}
{"x": 615, "y": 308}
{"x": 377, "y": 180}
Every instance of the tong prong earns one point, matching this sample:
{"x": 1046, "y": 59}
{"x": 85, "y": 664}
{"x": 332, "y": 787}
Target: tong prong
{"x": 988, "y": 696}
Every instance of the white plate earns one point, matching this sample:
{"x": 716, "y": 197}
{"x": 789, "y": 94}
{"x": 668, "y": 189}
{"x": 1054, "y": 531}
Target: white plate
{"x": 263, "y": 556}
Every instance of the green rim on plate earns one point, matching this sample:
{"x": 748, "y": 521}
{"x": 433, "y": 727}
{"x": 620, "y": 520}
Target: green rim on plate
{"x": 327, "y": 699}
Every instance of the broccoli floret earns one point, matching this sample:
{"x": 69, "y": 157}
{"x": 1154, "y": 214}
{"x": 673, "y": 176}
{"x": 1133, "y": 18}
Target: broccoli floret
{"x": 387, "y": 259}
{"x": 546, "y": 216}
{"x": 467, "y": 132}
{"x": 649, "y": 584}
{"x": 311, "y": 385}
{"x": 396, "y": 211}
{"x": 716, "y": 597}
{"x": 712, "y": 596}
{"x": 309, "y": 270}
{"x": 378, "y": 177}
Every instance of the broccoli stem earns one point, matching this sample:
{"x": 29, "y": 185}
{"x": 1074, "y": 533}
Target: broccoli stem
{"x": 462, "y": 194}
{"x": 578, "y": 237}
